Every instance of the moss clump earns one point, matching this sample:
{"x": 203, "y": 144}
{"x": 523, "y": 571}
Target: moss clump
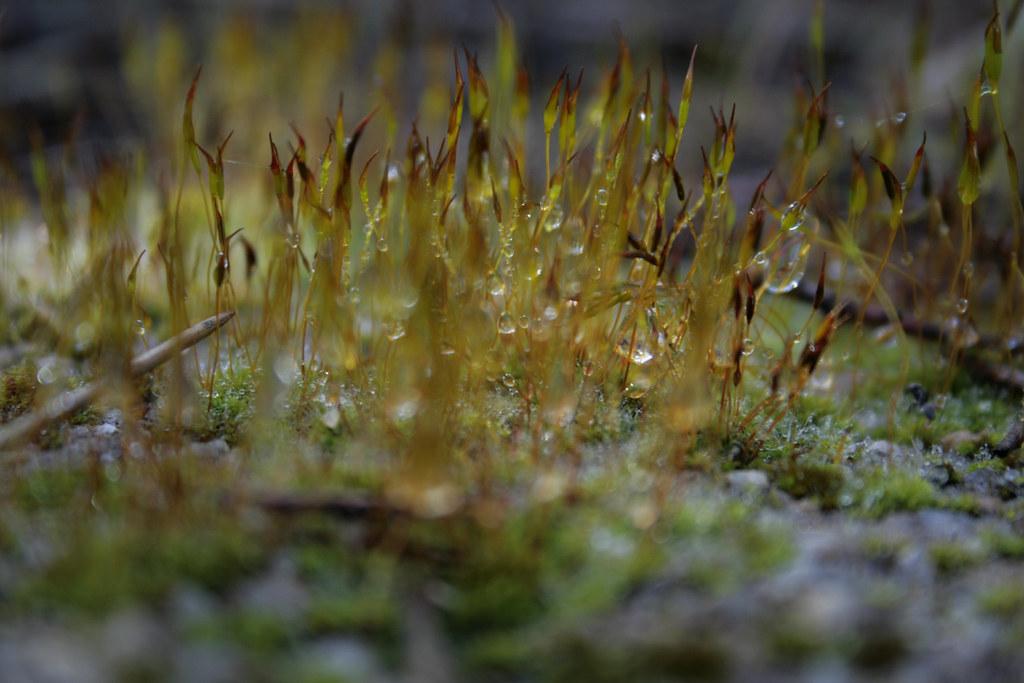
{"x": 882, "y": 492}
{"x": 255, "y": 630}
{"x": 18, "y": 388}
{"x": 229, "y": 407}
{"x": 952, "y": 557}
{"x": 372, "y": 613}
{"x": 48, "y": 488}
{"x": 803, "y": 478}
{"x": 104, "y": 569}
{"x": 1005, "y": 601}
{"x": 1005, "y": 545}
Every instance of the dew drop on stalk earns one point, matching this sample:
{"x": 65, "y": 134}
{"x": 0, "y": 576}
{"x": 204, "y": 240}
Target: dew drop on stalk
{"x": 602, "y": 197}
{"x": 394, "y": 330}
{"x": 961, "y": 306}
{"x": 505, "y": 324}
{"x": 637, "y": 389}
{"x": 382, "y": 244}
{"x": 792, "y": 261}
{"x": 554, "y": 219}
{"x": 761, "y": 258}
{"x": 495, "y": 285}
{"x": 793, "y": 217}
{"x": 524, "y": 321}
{"x": 508, "y": 380}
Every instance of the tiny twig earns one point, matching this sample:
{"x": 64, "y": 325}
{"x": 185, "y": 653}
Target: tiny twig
{"x": 60, "y": 407}
{"x": 347, "y": 506}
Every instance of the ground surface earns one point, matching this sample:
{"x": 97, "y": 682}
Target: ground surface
{"x": 896, "y": 558}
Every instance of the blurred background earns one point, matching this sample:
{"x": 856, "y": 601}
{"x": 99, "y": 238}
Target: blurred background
{"x": 118, "y": 69}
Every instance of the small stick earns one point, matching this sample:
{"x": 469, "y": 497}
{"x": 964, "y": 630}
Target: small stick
{"x": 60, "y": 407}
{"x": 346, "y": 506}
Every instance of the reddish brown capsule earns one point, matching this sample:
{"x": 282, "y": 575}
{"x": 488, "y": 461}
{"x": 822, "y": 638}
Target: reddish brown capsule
{"x": 737, "y": 298}
{"x": 819, "y": 292}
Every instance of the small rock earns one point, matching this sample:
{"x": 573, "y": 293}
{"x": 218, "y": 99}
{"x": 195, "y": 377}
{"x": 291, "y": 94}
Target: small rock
{"x": 133, "y": 640}
{"x": 210, "y": 449}
{"x": 278, "y": 592}
{"x": 753, "y": 481}
{"x": 347, "y": 658}
{"x": 986, "y": 481}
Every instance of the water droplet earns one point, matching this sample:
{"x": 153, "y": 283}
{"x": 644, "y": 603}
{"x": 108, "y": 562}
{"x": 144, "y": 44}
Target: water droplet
{"x": 761, "y": 258}
{"x": 45, "y": 374}
{"x": 394, "y": 330}
{"x": 524, "y": 321}
{"x": 602, "y": 197}
{"x": 793, "y": 217}
{"x": 286, "y": 369}
{"x": 382, "y": 244}
{"x": 907, "y": 258}
{"x": 554, "y": 219}
{"x": 638, "y": 388}
{"x": 635, "y": 352}
{"x": 839, "y": 121}
{"x": 405, "y": 408}
{"x": 495, "y": 285}
{"x": 791, "y": 262}
{"x": 508, "y": 380}
{"x": 961, "y": 306}
{"x": 505, "y": 324}
{"x": 899, "y": 117}
{"x": 550, "y": 313}
{"x": 331, "y": 417}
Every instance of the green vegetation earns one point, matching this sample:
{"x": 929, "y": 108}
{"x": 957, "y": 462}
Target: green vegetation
{"x": 502, "y": 369}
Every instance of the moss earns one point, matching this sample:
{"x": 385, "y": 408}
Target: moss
{"x": 1004, "y": 601}
{"x": 802, "y": 478}
{"x": 1005, "y": 545}
{"x": 952, "y": 557}
{"x": 791, "y": 643}
{"x": 881, "y": 493}
{"x": 994, "y": 464}
{"x": 255, "y": 630}
{"x": 106, "y": 568}
{"x": 373, "y": 613}
{"x": 48, "y": 488}
{"x": 229, "y": 409}
{"x": 502, "y": 652}
{"x": 18, "y": 387}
